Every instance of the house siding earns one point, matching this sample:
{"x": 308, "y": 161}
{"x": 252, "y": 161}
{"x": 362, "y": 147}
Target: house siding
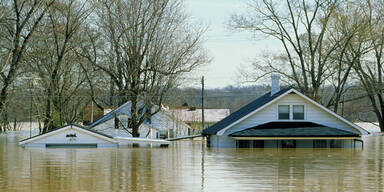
{"x": 60, "y": 138}
{"x": 222, "y": 141}
{"x": 159, "y": 122}
{"x": 312, "y": 113}
{"x": 108, "y": 128}
{"x": 217, "y": 141}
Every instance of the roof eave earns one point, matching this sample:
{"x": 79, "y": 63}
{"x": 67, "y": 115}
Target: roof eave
{"x": 221, "y": 132}
{"x": 298, "y": 138}
{"x": 69, "y": 126}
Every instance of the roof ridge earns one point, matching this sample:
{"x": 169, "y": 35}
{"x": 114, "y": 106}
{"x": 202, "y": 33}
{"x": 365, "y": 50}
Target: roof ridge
{"x": 101, "y": 119}
{"x": 69, "y": 124}
{"x": 253, "y": 105}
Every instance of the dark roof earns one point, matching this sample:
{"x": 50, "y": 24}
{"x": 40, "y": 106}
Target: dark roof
{"x": 259, "y": 102}
{"x": 293, "y": 129}
{"x": 72, "y": 124}
{"x": 116, "y": 112}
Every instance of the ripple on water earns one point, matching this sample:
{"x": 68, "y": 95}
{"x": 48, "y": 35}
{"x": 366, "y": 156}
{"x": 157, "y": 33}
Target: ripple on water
{"x": 187, "y": 166}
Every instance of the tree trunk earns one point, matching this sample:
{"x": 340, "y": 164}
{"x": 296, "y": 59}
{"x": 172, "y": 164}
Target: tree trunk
{"x": 48, "y": 121}
{"x": 381, "y": 125}
{"x": 111, "y": 92}
{"x": 134, "y": 117}
{"x": 7, "y": 82}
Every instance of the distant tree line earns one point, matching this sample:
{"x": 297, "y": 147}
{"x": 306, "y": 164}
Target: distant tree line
{"x": 230, "y": 97}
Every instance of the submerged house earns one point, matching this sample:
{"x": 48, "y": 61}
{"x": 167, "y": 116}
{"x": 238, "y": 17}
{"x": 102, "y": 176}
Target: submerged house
{"x": 284, "y": 119}
{"x": 91, "y": 112}
{"x": 192, "y": 116}
{"x": 71, "y": 135}
{"x": 161, "y": 125}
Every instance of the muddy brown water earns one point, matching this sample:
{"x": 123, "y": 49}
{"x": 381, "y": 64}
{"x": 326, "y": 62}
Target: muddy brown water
{"x": 188, "y": 166}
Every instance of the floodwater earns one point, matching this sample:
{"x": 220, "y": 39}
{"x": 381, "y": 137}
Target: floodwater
{"x": 188, "y": 166}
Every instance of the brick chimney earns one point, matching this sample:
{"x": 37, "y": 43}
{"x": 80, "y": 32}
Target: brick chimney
{"x": 275, "y": 84}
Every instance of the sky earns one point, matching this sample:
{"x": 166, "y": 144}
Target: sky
{"x": 229, "y": 50}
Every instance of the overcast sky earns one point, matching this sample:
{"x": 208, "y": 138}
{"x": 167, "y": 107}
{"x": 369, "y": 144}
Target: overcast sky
{"x": 229, "y": 50}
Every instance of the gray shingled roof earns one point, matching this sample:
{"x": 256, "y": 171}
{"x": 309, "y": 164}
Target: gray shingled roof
{"x": 261, "y": 101}
{"x": 123, "y": 109}
{"x": 293, "y": 129}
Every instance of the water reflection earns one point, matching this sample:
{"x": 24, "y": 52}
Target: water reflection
{"x": 188, "y": 166}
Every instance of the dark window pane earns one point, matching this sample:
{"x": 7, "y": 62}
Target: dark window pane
{"x": 283, "y": 111}
{"x": 283, "y": 115}
{"x": 319, "y": 143}
{"x": 288, "y": 143}
{"x": 163, "y": 134}
{"x": 298, "y": 112}
{"x": 243, "y": 143}
{"x": 258, "y": 144}
{"x": 335, "y": 144}
{"x": 298, "y": 116}
{"x": 171, "y": 133}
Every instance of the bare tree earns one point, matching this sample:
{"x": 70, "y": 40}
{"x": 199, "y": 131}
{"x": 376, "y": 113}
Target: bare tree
{"x": 345, "y": 29}
{"x": 149, "y": 46}
{"x": 19, "y": 20}
{"x": 53, "y": 60}
{"x": 301, "y": 27}
{"x": 369, "y": 65}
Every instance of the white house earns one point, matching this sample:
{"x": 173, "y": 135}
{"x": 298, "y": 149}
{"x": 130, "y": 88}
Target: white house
{"x": 161, "y": 125}
{"x": 192, "y": 116}
{"x": 70, "y": 136}
{"x": 284, "y": 119}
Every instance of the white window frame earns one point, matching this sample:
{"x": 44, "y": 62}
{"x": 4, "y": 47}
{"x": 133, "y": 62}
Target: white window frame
{"x": 289, "y": 115}
{"x": 291, "y": 112}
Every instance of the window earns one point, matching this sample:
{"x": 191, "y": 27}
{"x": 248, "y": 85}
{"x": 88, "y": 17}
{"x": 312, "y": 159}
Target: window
{"x": 319, "y": 143}
{"x": 291, "y": 112}
{"x": 298, "y": 112}
{"x": 243, "y": 143}
{"x": 258, "y": 144}
{"x": 288, "y": 143}
{"x": 163, "y": 134}
{"x": 335, "y": 144}
{"x": 283, "y": 112}
{"x": 171, "y": 133}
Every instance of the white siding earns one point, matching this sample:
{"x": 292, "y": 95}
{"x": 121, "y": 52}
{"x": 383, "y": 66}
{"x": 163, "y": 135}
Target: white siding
{"x": 106, "y": 145}
{"x": 108, "y": 128}
{"x": 312, "y": 114}
{"x": 60, "y": 138}
{"x": 159, "y": 122}
{"x": 37, "y": 145}
{"x": 222, "y": 141}
{"x": 164, "y": 122}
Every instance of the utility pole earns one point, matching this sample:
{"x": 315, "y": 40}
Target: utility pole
{"x": 342, "y": 106}
{"x": 202, "y": 102}
{"x": 91, "y": 111}
{"x": 30, "y": 109}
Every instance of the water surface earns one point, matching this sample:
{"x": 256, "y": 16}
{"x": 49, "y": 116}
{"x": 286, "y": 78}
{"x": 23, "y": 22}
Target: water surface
{"x": 188, "y": 166}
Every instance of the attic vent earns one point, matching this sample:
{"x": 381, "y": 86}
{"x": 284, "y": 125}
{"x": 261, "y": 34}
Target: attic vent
{"x": 71, "y": 135}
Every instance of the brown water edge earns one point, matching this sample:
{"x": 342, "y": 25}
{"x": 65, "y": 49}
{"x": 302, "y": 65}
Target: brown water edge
{"x": 188, "y": 166}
